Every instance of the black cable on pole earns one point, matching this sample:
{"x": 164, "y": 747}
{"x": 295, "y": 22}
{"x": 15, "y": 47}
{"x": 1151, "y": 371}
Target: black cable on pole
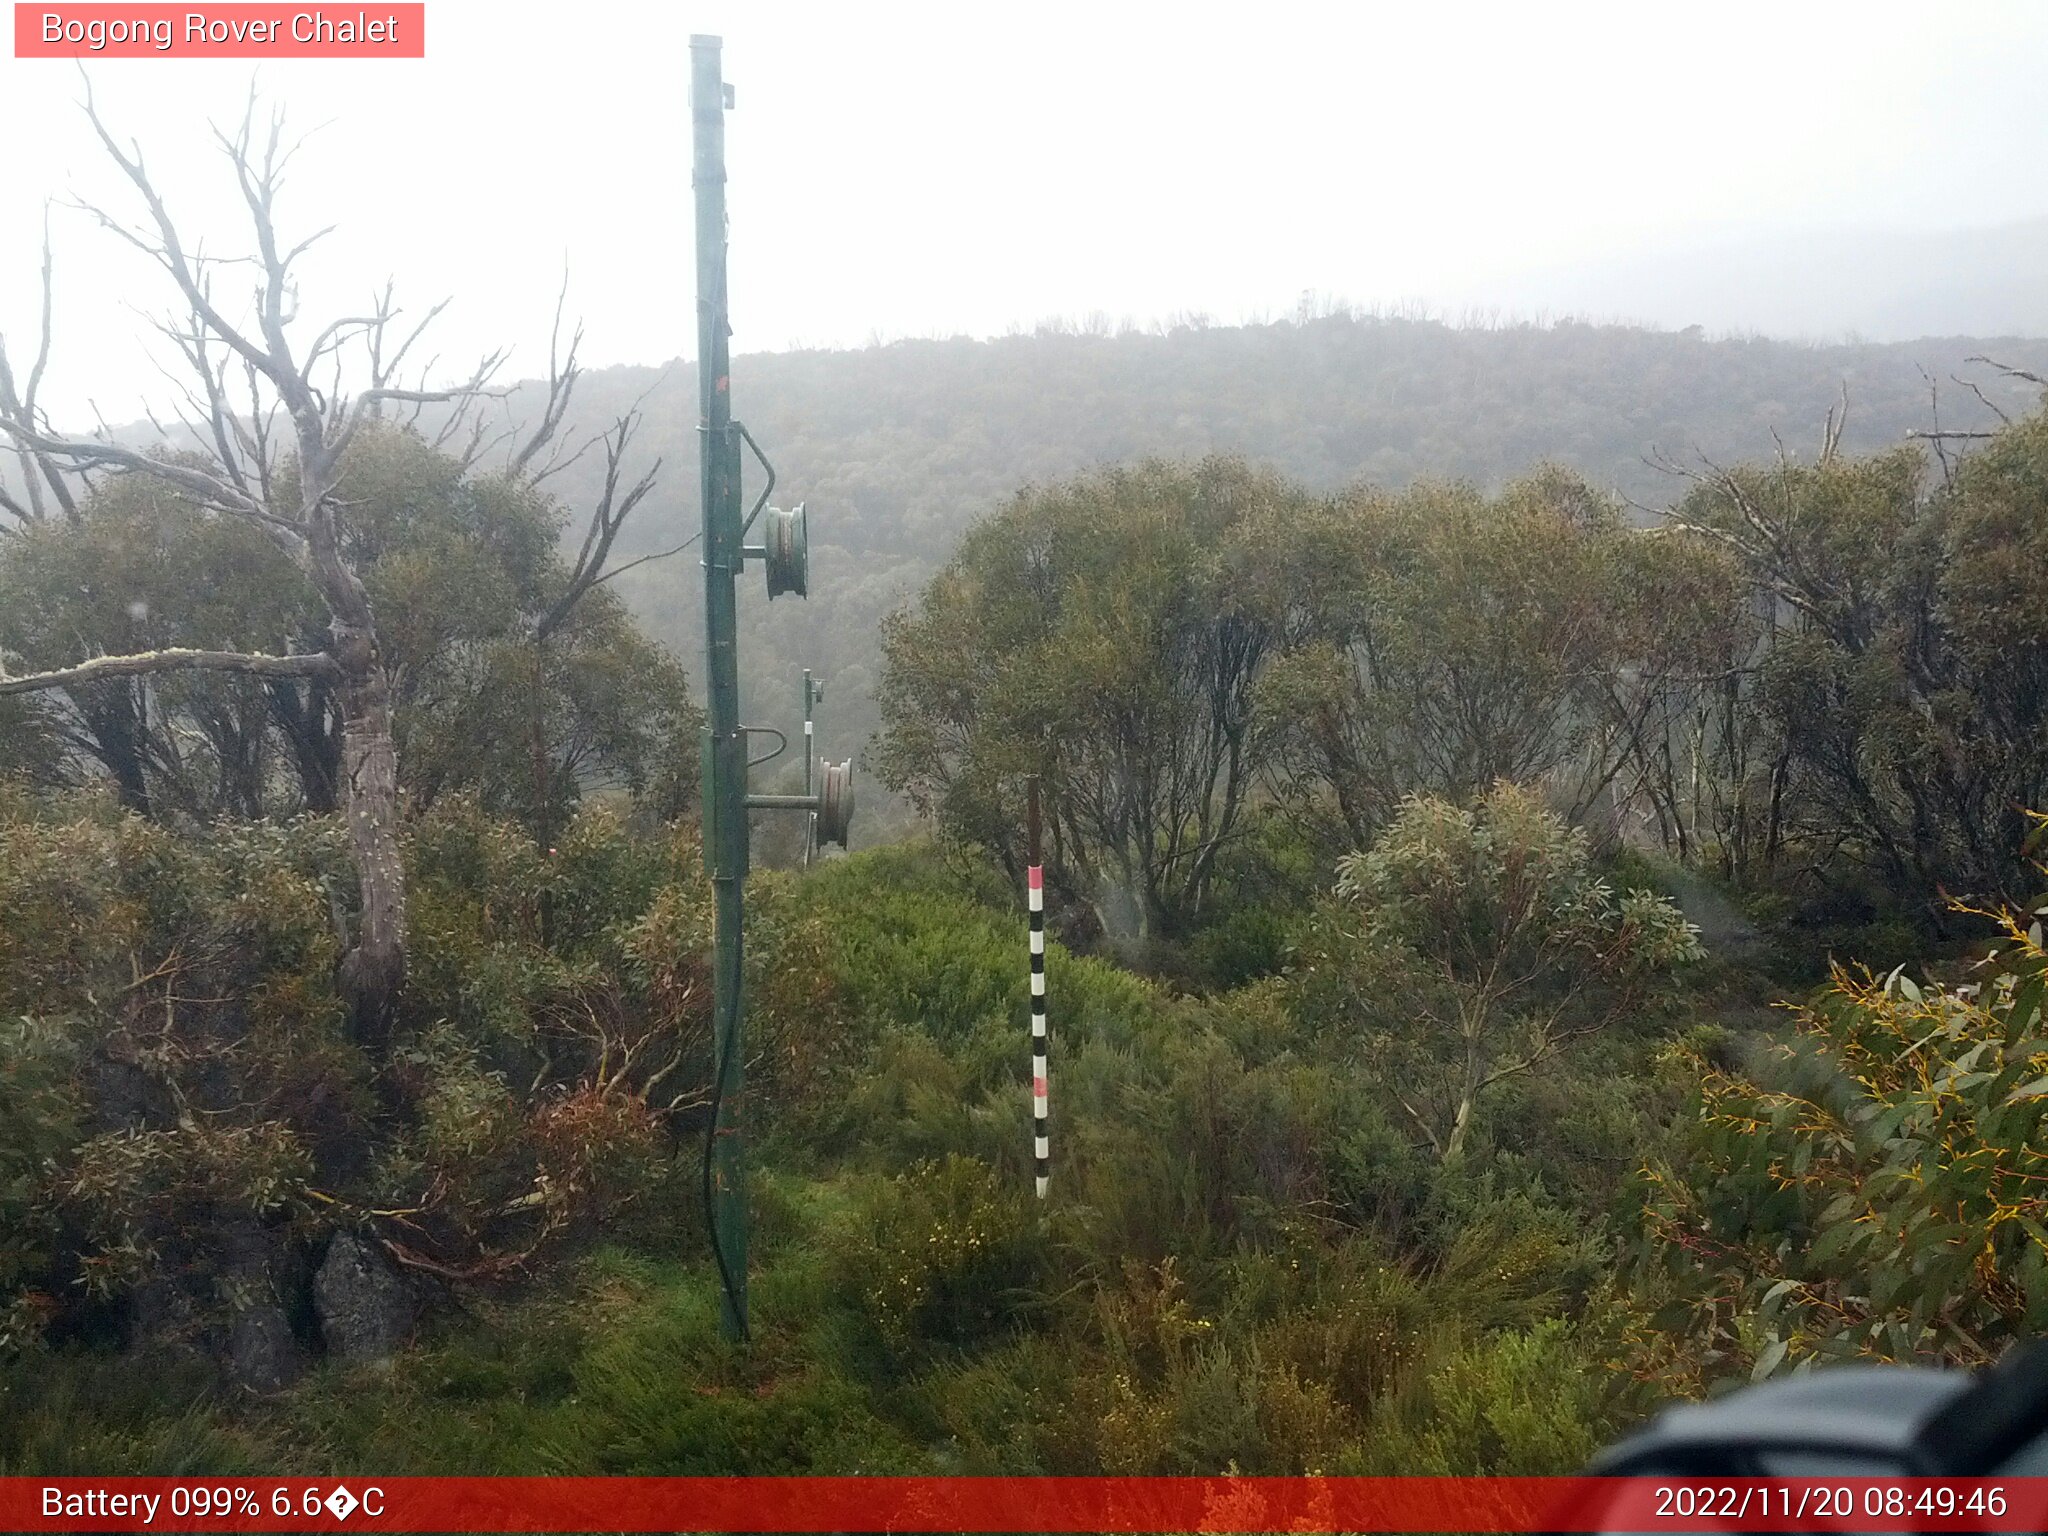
{"x": 725, "y": 1274}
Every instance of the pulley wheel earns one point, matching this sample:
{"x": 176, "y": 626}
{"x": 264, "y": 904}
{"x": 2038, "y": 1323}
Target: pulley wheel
{"x": 788, "y": 542}
{"x": 835, "y": 803}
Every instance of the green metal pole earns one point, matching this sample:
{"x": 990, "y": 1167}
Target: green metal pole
{"x": 810, "y": 789}
{"x": 725, "y": 757}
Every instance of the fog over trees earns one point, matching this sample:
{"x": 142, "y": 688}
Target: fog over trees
{"x": 899, "y": 448}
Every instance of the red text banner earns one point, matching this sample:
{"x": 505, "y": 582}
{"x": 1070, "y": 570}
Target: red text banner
{"x": 236, "y": 31}
{"x": 1022, "y": 1504}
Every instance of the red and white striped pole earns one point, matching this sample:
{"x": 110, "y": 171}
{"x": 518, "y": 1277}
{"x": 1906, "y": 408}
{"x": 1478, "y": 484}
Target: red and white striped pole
{"x": 1034, "y": 879}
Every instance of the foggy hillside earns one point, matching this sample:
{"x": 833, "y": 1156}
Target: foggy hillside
{"x": 898, "y": 448}
{"x": 1873, "y": 284}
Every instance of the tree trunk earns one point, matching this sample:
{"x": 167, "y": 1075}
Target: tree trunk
{"x": 1468, "y": 1095}
{"x": 235, "y": 726}
{"x": 1774, "y": 829}
{"x": 1455, "y": 1143}
{"x": 110, "y": 713}
{"x": 308, "y": 731}
{"x": 373, "y": 972}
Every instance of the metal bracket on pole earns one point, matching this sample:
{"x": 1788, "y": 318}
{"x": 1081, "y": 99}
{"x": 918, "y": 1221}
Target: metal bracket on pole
{"x": 767, "y": 468}
{"x": 832, "y": 804}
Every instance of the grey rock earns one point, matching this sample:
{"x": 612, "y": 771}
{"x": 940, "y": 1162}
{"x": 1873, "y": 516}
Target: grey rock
{"x": 261, "y": 1272}
{"x": 263, "y": 1356}
{"x": 162, "y": 1316}
{"x": 364, "y": 1305}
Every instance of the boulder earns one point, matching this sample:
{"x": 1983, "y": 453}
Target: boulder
{"x": 262, "y": 1353}
{"x": 364, "y": 1305}
{"x": 262, "y": 1272}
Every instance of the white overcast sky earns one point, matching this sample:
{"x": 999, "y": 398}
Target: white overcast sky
{"x": 914, "y": 170}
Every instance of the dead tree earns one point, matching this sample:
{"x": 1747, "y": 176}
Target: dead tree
{"x": 273, "y": 416}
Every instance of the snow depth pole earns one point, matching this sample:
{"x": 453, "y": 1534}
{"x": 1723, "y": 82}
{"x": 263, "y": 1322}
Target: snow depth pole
{"x": 1034, "y": 881}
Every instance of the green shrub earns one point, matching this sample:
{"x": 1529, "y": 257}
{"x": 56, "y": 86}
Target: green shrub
{"x": 1248, "y": 943}
{"x": 1008, "y": 1408}
{"x": 1871, "y": 1188}
{"x": 39, "y": 1125}
{"x": 942, "y": 1254}
{"x": 177, "y": 997}
{"x": 1531, "y": 1403}
{"x": 1469, "y": 946}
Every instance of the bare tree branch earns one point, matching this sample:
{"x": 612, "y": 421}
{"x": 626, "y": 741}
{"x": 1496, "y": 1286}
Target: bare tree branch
{"x": 168, "y": 251}
{"x": 232, "y": 442}
{"x": 1982, "y": 399}
{"x": 382, "y": 372}
{"x": 10, "y": 405}
{"x": 660, "y": 554}
{"x": 2010, "y": 373}
{"x": 606, "y": 519}
{"x": 212, "y": 489}
{"x": 1937, "y": 436}
{"x": 562, "y": 377}
{"x": 317, "y": 665}
{"x": 337, "y": 334}
{"x": 1831, "y": 434}
{"x": 37, "y": 470}
{"x": 557, "y": 462}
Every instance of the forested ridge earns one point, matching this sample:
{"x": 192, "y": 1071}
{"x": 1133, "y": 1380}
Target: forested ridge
{"x": 898, "y": 448}
{"x": 1532, "y": 938}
